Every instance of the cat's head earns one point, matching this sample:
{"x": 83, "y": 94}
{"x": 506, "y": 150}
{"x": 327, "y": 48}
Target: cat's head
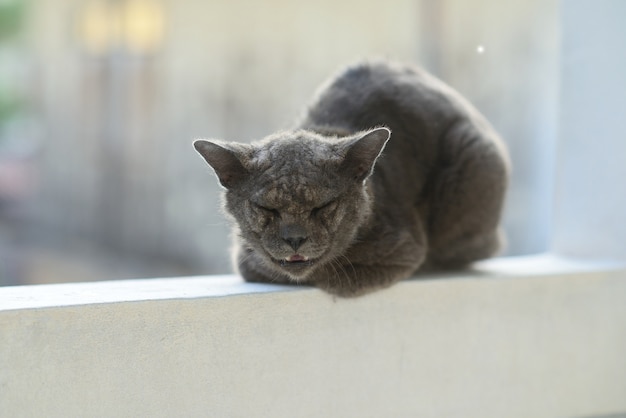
{"x": 298, "y": 197}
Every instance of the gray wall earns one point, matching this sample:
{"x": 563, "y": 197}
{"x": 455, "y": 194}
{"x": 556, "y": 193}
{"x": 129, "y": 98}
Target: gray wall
{"x": 505, "y": 343}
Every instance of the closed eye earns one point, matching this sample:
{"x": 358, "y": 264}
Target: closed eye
{"x": 268, "y": 211}
{"x": 317, "y": 210}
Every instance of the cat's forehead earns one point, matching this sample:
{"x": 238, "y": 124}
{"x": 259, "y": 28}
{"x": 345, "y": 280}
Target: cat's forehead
{"x": 290, "y": 195}
{"x": 286, "y": 149}
{"x": 288, "y": 186}
{"x": 295, "y": 171}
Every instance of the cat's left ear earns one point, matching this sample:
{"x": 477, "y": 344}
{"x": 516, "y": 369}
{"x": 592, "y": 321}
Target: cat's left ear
{"x": 363, "y": 152}
{"x": 224, "y": 160}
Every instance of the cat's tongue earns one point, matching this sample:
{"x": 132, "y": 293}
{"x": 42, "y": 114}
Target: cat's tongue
{"x": 296, "y": 257}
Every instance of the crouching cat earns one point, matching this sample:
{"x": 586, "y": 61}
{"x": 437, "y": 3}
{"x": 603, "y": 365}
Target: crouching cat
{"x": 389, "y": 172}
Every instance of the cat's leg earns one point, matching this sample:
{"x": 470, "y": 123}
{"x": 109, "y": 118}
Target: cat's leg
{"x": 252, "y": 269}
{"x": 374, "y": 264}
{"x": 465, "y": 206}
{"x": 460, "y": 252}
{"x": 353, "y": 279}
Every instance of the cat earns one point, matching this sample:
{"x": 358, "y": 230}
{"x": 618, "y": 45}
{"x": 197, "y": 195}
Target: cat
{"x": 389, "y": 172}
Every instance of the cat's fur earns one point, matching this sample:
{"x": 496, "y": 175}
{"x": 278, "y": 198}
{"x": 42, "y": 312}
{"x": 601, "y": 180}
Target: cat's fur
{"x": 337, "y": 204}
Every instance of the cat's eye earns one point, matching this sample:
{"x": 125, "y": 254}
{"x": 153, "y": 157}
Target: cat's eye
{"x": 317, "y": 210}
{"x": 268, "y": 211}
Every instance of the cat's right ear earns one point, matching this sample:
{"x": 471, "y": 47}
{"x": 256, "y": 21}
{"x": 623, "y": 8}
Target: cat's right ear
{"x": 363, "y": 152}
{"x": 224, "y": 161}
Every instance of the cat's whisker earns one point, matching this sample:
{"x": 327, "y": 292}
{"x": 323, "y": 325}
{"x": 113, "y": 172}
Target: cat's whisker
{"x": 241, "y": 260}
{"x": 352, "y": 267}
{"x": 275, "y": 277}
{"x": 343, "y": 271}
{"x": 337, "y": 275}
{"x": 336, "y": 262}
{"x": 327, "y": 272}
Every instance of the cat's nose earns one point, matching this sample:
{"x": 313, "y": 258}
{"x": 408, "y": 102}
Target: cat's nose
{"x": 295, "y": 242}
{"x": 294, "y": 235}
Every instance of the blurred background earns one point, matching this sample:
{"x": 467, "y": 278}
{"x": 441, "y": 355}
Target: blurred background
{"x": 100, "y": 101}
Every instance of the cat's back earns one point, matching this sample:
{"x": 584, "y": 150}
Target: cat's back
{"x": 428, "y": 118}
{"x": 433, "y": 127}
{"x": 384, "y": 93}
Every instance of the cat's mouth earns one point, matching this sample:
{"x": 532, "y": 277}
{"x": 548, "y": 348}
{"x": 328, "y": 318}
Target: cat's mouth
{"x": 296, "y": 258}
{"x": 295, "y": 262}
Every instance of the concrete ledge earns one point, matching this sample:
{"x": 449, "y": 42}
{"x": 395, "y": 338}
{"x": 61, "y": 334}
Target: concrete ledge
{"x": 520, "y": 337}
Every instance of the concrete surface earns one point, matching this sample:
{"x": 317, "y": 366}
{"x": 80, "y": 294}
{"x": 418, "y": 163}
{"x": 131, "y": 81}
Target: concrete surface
{"x": 498, "y": 342}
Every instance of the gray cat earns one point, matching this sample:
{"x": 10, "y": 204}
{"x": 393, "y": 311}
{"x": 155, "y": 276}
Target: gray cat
{"x": 339, "y": 205}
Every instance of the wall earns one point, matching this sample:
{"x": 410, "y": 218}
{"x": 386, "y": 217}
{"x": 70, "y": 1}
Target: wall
{"x": 504, "y": 56}
{"x": 591, "y": 196}
{"x": 536, "y": 337}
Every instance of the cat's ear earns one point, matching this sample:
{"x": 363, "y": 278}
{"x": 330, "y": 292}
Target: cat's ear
{"x": 363, "y": 152}
{"x": 224, "y": 161}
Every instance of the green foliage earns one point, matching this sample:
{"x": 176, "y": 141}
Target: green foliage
{"x": 11, "y": 23}
{"x": 9, "y": 107}
{"x": 11, "y": 18}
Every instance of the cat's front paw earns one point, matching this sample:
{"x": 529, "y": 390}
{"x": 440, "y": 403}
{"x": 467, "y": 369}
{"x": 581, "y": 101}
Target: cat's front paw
{"x": 357, "y": 279}
{"x": 255, "y": 275}
{"x": 253, "y": 270}
{"x": 344, "y": 288}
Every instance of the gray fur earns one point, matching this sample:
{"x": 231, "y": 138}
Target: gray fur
{"x": 355, "y": 210}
